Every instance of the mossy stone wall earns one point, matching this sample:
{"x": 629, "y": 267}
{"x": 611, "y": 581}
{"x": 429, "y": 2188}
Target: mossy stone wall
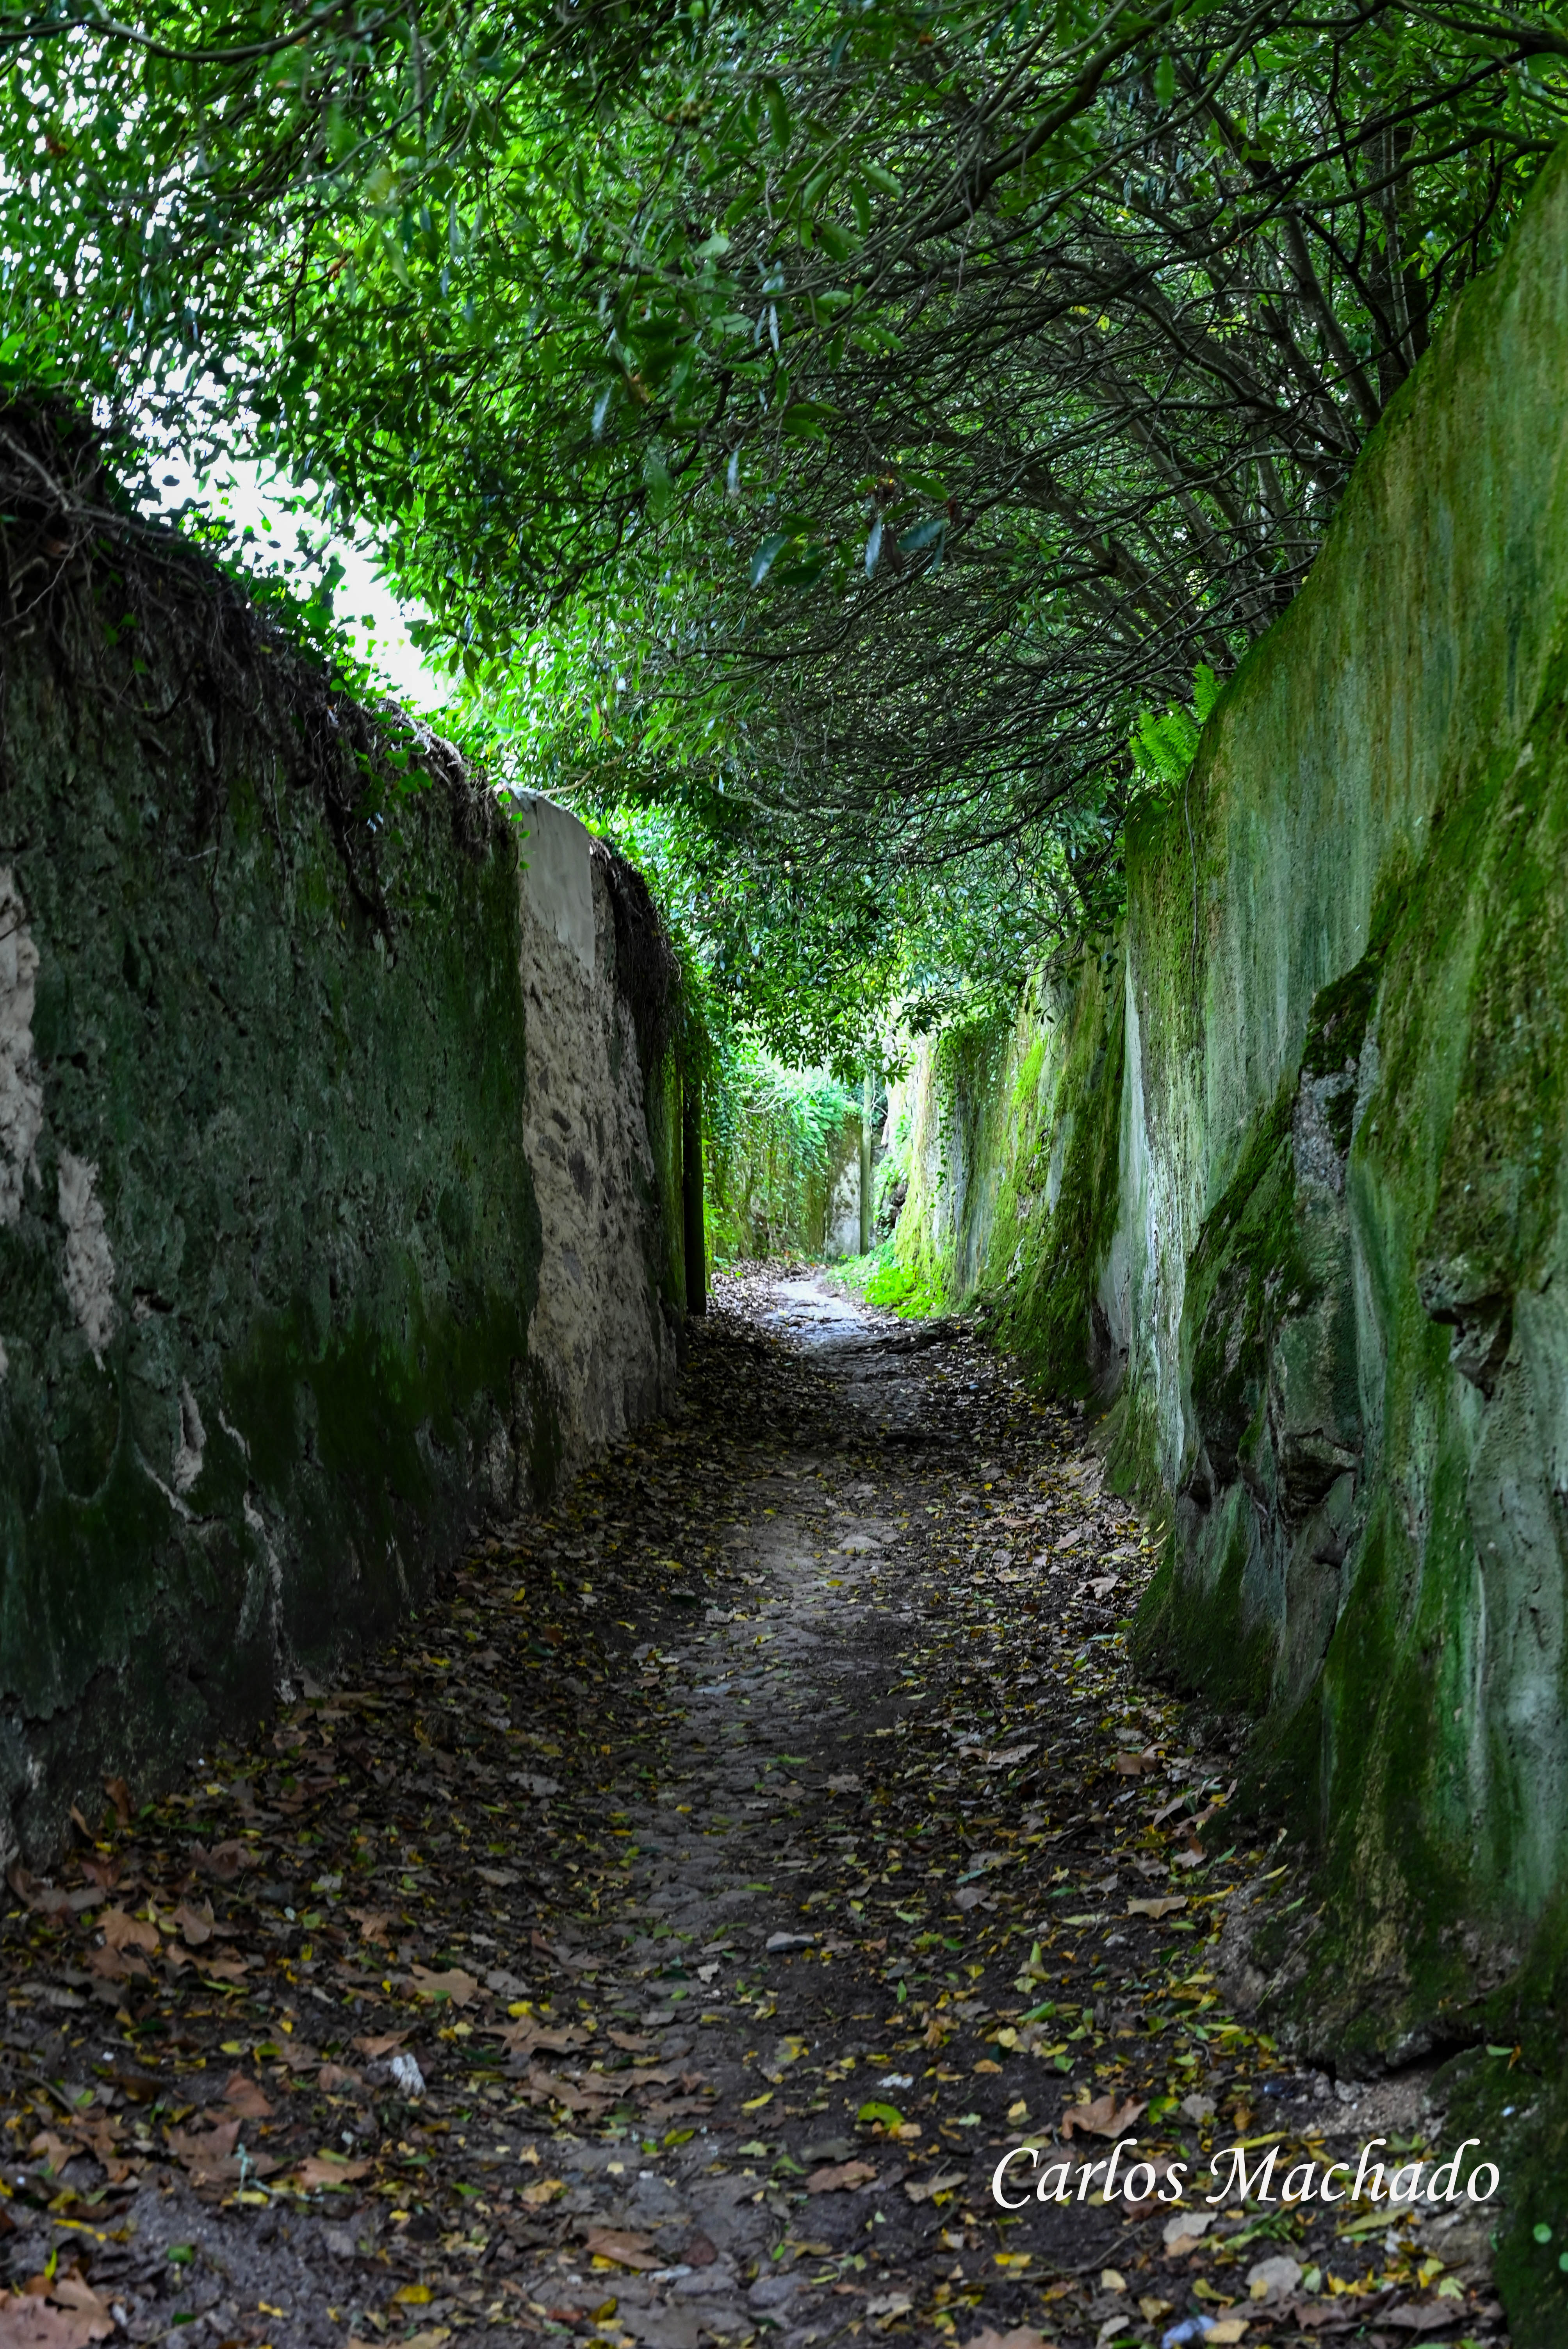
{"x": 1329, "y": 1249}
{"x": 269, "y": 1239}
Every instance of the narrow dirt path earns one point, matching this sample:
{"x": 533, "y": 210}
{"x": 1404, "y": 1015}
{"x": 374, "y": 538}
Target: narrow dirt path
{"x": 665, "y": 1941}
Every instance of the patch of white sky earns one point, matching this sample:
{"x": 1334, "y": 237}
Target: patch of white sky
{"x": 291, "y": 537}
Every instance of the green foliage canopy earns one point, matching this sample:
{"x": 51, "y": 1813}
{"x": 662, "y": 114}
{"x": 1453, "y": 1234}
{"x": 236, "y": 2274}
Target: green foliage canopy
{"x": 837, "y": 423}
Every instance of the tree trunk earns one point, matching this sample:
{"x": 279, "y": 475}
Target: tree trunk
{"x": 692, "y": 1196}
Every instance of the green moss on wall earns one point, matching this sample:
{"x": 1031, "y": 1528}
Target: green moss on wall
{"x": 1058, "y": 1197}
{"x": 1338, "y": 1251}
{"x": 270, "y": 1256}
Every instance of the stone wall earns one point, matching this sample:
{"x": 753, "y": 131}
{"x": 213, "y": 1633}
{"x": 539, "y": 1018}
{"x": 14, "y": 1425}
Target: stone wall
{"x": 1285, "y": 1172}
{"x": 330, "y": 1203}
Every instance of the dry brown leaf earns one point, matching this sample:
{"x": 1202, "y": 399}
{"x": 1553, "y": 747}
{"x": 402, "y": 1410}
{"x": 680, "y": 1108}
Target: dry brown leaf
{"x": 123, "y": 1931}
{"x": 329, "y": 2168}
{"x": 373, "y": 1922}
{"x": 47, "y": 1899}
{"x": 117, "y": 1965}
{"x": 74, "y": 2294}
{"x": 31, "y": 2324}
{"x": 247, "y": 2098}
{"x": 119, "y": 1793}
{"x": 627, "y": 2251}
{"x": 226, "y": 1859}
{"x": 841, "y": 2178}
{"x": 455, "y": 1984}
{"x": 1166, "y": 1907}
{"x": 195, "y": 1924}
{"x": 380, "y": 2043}
{"x": 576, "y": 2099}
{"x": 201, "y": 2147}
{"x": 226, "y": 1970}
{"x": 1103, "y": 2117}
{"x": 922, "y": 2190}
{"x": 298, "y": 2055}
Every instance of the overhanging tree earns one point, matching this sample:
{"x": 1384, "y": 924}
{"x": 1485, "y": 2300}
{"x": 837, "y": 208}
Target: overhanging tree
{"x": 837, "y": 422}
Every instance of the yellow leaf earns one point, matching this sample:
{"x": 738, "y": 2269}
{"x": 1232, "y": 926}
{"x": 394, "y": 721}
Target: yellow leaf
{"x": 412, "y": 2296}
{"x": 756, "y": 2103}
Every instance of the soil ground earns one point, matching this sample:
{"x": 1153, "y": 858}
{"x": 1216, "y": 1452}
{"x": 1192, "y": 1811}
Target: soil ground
{"x": 665, "y": 1938}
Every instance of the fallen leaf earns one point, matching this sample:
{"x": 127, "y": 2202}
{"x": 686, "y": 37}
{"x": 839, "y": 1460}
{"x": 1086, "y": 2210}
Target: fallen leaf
{"x": 195, "y": 1924}
{"x": 226, "y": 1970}
{"x": 247, "y": 2098}
{"x": 1103, "y": 2117}
{"x": 76, "y": 2294}
{"x": 1421, "y": 2315}
{"x": 380, "y": 2043}
{"x": 923, "y": 2189}
{"x": 119, "y": 1793}
{"x": 200, "y": 2148}
{"x": 1187, "y": 2226}
{"x": 455, "y": 1984}
{"x": 373, "y": 1922}
{"x": 225, "y": 1860}
{"x": 1228, "y": 2329}
{"x": 543, "y": 2190}
{"x": 329, "y": 2168}
{"x": 123, "y": 1931}
{"x": 627, "y": 2251}
{"x": 1023, "y": 2336}
{"x": 46, "y": 1899}
{"x": 297, "y": 2056}
{"x": 29, "y": 2323}
{"x": 842, "y": 2178}
{"x": 117, "y": 1965}
{"x": 1166, "y": 1907}
{"x": 413, "y": 2295}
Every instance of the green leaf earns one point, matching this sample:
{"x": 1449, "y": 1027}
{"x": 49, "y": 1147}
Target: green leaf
{"x": 889, "y": 2116}
{"x": 766, "y": 554}
{"x": 778, "y": 115}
